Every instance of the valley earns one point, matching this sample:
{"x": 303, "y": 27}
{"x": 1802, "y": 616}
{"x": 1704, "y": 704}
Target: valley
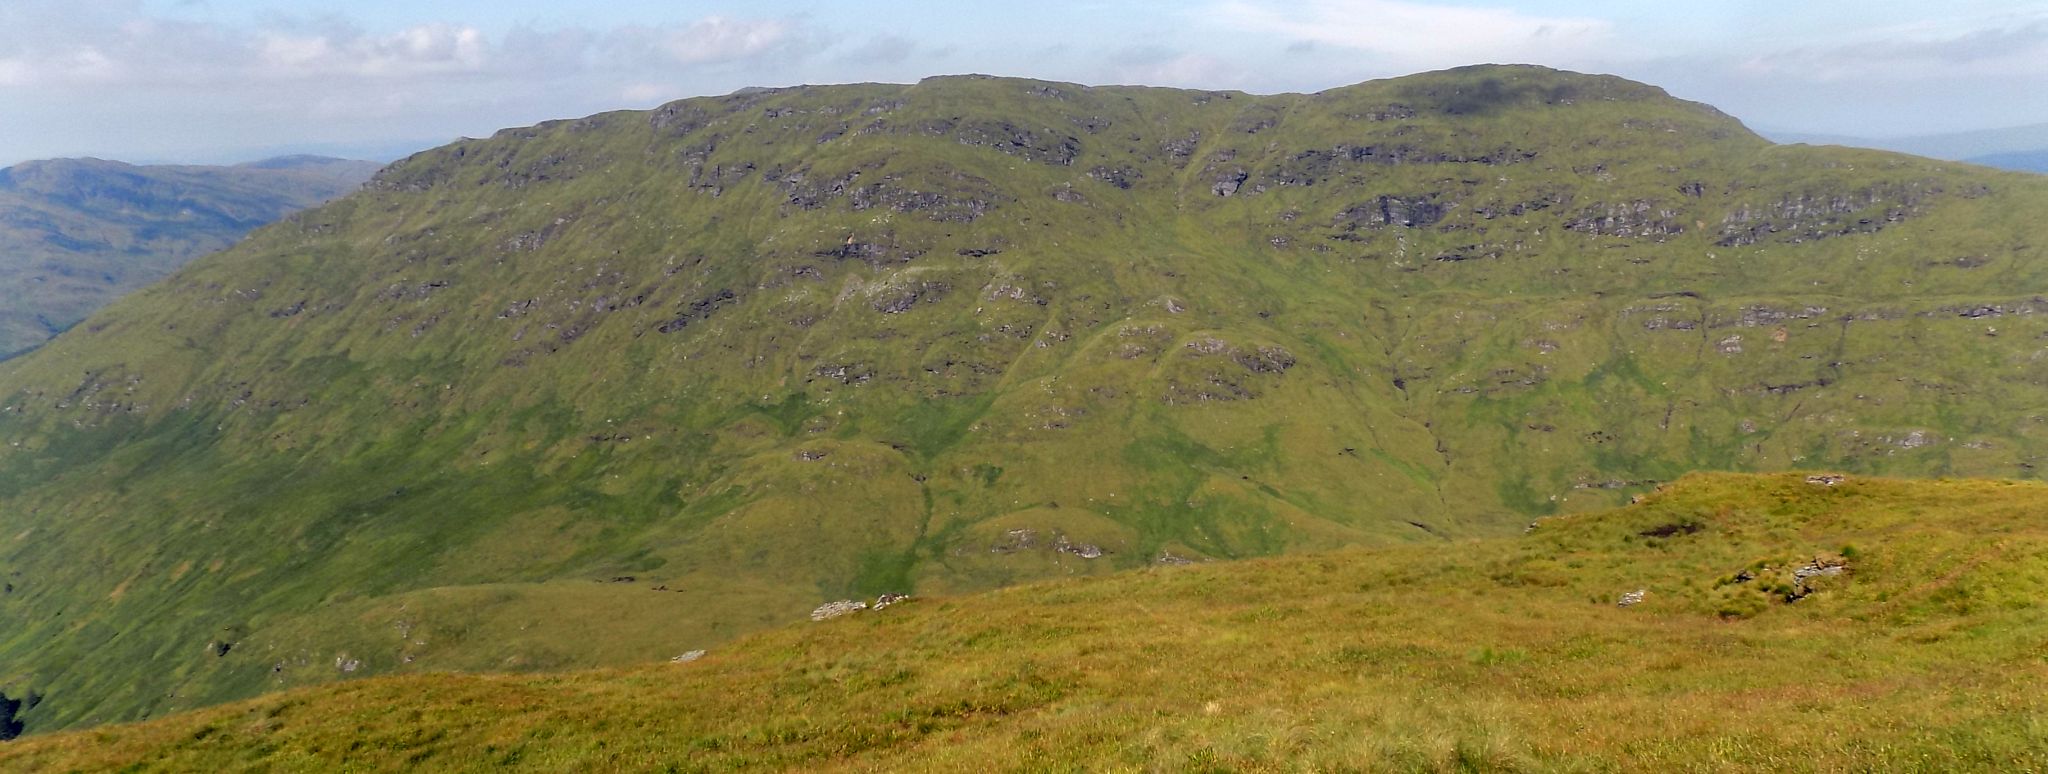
{"x": 598, "y": 392}
{"x": 77, "y": 233}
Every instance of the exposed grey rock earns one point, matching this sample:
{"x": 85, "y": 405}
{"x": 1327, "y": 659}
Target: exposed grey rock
{"x": 1265, "y": 360}
{"x": 886, "y": 600}
{"x": 845, "y": 373}
{"x": 1083, "y": 550}
{"x": 1810, "y": 217}
{"x": 1632, "y": 598}
{"x": 699, "y": 310}
{"x": 1179, "y": 150}
{"x": 1229, "y": 183}
{"x": 1912, "y": 440}
{"x": 534, "y": 240}
{"x": 1826, "y": 479}
{"x": 1758, "y": 315}
{"x": 1122, "y": 176}
{"x": 688, "y": 657}
{"x": 1404, "y": 211}
{"x": 1818, "y": 569}
{"x": 902, "y": 299}
{"x": 1015, "y": 540}
{"x": 1639, "y": 218}
{"x": 831, "y": 610}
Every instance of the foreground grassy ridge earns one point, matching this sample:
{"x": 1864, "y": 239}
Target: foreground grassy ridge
{"x": 1498, "y": 654}
{"x": 776, "y": 348}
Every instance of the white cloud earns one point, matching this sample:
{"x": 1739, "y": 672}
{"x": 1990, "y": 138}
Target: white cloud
{"x": 43, "y": 46}
{"x": 643, "y": 93}
{"x": 1413, "y": 35}
{"x": 719, "y": 39}
{"x": 1153, "y": 66}
{"x": 76, "y": 74}
{"x": 411, "y": 52}
{"x": 2009, "y": 48}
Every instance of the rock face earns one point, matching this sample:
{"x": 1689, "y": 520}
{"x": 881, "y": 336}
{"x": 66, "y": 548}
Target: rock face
{"x": 822, "y": 343}
{"x": 11, "y": 724}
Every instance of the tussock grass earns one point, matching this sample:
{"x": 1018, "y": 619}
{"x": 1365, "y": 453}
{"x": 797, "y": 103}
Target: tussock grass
{"x": 1503, "y": 654}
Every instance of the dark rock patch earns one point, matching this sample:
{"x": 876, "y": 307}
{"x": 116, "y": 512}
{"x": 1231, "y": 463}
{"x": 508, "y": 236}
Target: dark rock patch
{"x": 699, "y": 310}
{"x": 1673, "y": 529}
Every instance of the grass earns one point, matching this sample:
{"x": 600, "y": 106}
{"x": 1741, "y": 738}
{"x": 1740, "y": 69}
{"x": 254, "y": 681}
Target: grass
{"x": 723, "y": 350}
{"x": 1504, "y": 654}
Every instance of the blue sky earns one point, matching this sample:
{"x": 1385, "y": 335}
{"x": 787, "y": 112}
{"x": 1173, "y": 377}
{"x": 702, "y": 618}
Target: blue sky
{"x": 223, "y": 80}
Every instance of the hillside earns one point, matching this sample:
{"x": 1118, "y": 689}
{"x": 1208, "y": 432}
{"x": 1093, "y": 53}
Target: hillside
{"x": 77, "y": 233}
{"x": 601, "y": 391}
{"x": 1783, "y": 625}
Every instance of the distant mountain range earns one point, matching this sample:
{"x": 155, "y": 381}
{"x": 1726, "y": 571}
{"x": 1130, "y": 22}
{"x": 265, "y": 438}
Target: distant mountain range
{"x": 77, "y": 233}
{"x": 2020, "y": 148}
{"x": 2024, "y": 161}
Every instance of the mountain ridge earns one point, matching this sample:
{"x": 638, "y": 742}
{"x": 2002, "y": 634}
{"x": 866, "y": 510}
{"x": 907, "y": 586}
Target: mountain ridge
{"x": 678, "y": 374}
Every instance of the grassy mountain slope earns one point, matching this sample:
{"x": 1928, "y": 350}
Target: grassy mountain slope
{"x": 1922, "y": 651}
{"x": 600, "y": 391}
{"x": 76, "y": 233}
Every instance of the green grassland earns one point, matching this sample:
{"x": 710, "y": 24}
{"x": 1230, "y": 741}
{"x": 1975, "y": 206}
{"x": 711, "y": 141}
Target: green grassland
{"x": 1924, "y": 653}
{"x": 601, "y": 391}
{"x": 77, "y": 233}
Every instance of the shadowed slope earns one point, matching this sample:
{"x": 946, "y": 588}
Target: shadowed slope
{"x": 77, "y": 233}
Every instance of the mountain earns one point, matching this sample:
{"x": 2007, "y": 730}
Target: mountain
{"x": 77, "y": 233}
{"x": 1857, "y": 624}
{"x": 602, "y": 391}
{"x": 2024, "y": 161}
{"x": 2020, "y": 149}
{"x": 1985, "y": 142}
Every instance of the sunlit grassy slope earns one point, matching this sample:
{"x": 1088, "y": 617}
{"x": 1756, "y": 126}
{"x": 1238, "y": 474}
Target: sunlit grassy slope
{"x": 1927, "y": 653}
{"x": 599, "y": 391}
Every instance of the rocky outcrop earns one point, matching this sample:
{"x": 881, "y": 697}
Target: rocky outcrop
{"x": 841, "y": 608}
{"x": 846, "y": 607}
{"x": 699, "y": 310}
{"x": 1638, "y": 218}
{"x": 1812, "y": 216}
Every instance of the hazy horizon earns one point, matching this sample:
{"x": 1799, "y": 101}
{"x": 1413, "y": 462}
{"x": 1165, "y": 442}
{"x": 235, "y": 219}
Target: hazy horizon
{"x": 221, "y": 81}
